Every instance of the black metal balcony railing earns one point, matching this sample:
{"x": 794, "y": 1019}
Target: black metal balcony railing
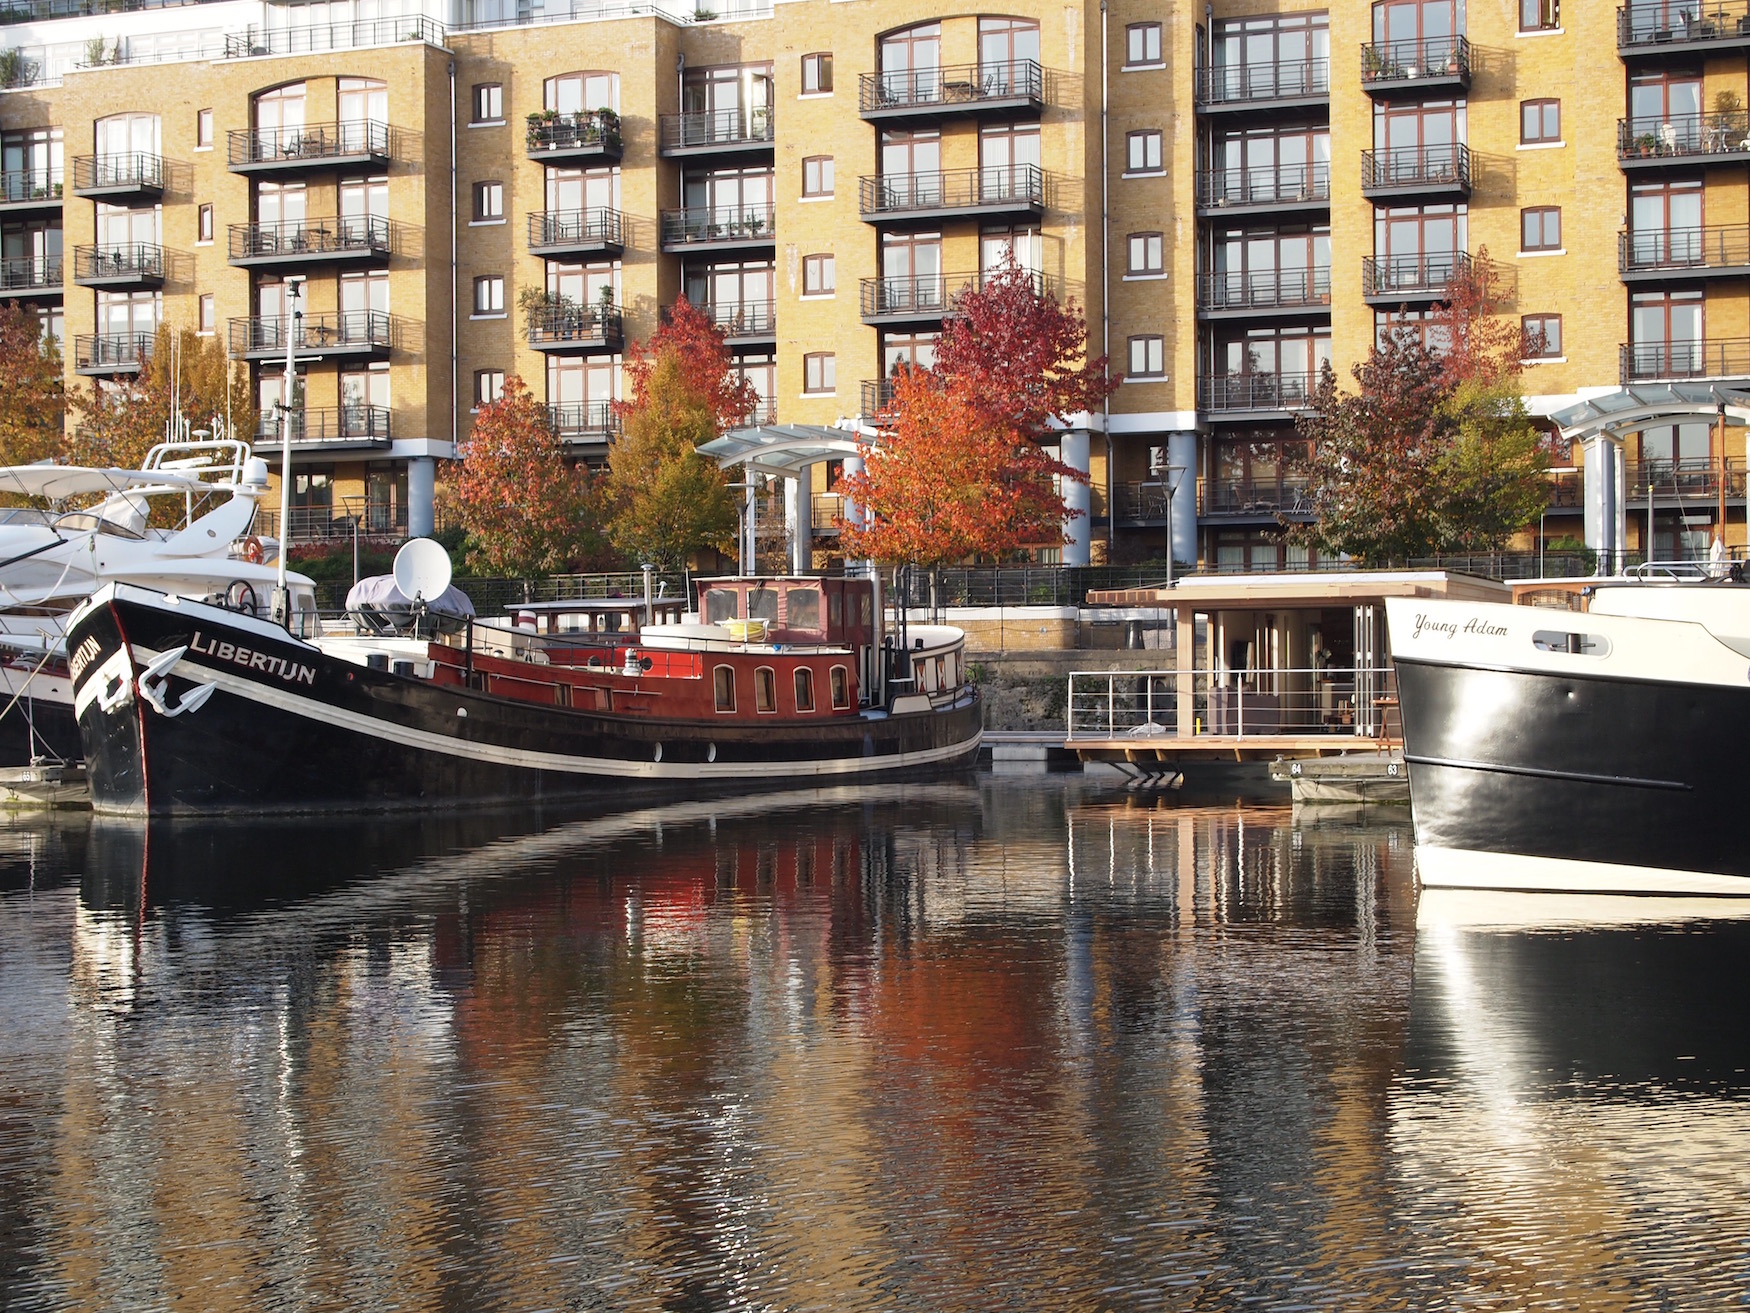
{"x": 309, "y": 143}
{"x": 749, "y": 126}
{"x": 326, "y": 424}
{"x": 1423, "y": 275}
{"x": 584, "y": 421}
{"x": 928, "y": 296}
{"x": 1419, "y": 168}
{"x": 1428, "y": 59}
{"x": 98, "y": 352}
{"x": 716, "y": 223}
{"x": 27, "y": 186}
{"x": 1677, "y": 22}
{"x": 575, "y": 325}
{"x": 343, "y": 331}
{"x": 1683, "y": 136}
{"x": 573, "y": 229}
{"x": 127, "y": 171}
{"x": 1720, "y": 357}
{"x": 359, "y": 234}
{"x": 1244, "y": 84}
{"x": 1258, "y": 391}
{"x": 951, "y": 86}
{"x": 586, "y": 131}
{"x": 123, "y": 262}
{"x": 739, "y": 318}
{"x": 1286, "y": 495}
{"x": 1282, "y": 184}
{"x": 1694, "y": 476}
{"x": 30, "y": 273}
{"x": 1717, "y": 246}
{"x": 33, "y": 11}
{"x": 877, "y": 395}
{"x": 1268, "y": 289}
{"x": 1002, "y": 185}
{"x": 319, "y": 38}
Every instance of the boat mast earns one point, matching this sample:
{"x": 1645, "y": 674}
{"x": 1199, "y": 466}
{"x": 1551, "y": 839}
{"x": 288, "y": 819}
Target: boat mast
{"x": 282, "y": 602}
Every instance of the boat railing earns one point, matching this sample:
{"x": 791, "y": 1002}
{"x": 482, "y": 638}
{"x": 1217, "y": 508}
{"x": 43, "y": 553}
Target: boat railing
{"x": 1310, "y": 701}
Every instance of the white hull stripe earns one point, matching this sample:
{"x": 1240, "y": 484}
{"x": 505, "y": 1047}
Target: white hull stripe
{"x": 1457, "y": 868}
{"x": 426, "y": 741}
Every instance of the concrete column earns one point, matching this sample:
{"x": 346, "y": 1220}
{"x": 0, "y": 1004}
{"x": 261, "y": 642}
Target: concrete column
{"x": 1606, "y": 518}
{"x": 853, "y": 512}
{"x": 1185, "y": 666}
{"x": 421, "y": 496}
{"x": 1182, "y": 461}
{"x": 1073, "y": 451}
{"x": 799, "y": 518}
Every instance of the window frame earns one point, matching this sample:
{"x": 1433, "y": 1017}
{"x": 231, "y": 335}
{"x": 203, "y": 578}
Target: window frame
{"x": 802, "y": 686}
{"x": 723, "y": 689}
{"x": 1525, "y": 337}
{"x": 765, "y": 691}
{"x": 484, "y": 91}
{"x": 839, "y": 678}
{"x": 1148, "y": 137}
{"x": 820, "y": 63}
{"x": 821, "y": 167}
{"x": 820, "y": 374}
{"x": 821, "y": 261}
{"x": 486, "y": 282}
{"x": 1132, "y": 31}
{"x": 1144, "y": 340}
{"x": 204, "y": 225}
{"x": 484, "y": 383}
{"x": 1548, "y": 15}
{"x": 203, "y": 129}
{"x": 1540, "y": 104}
{"x": 1160, "y": 252}
{"x": 489, "y": 201}
{"x": 206, "y": 315}
{"x": 1543, "y": 244}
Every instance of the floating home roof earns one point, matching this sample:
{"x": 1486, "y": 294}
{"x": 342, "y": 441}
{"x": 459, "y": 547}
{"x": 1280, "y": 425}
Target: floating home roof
{"x": 1321, "y": 588}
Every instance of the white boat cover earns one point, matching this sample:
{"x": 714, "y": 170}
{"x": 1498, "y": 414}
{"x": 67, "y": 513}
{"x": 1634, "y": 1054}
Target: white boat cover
{"x": 57, "y": 482}
{"x": 379, "y": 591}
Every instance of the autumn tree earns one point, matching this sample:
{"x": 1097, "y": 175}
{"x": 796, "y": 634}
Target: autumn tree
{"x": 32, "y": 399}
{"x": 526, "y": 509}
{"x": 118, "y": 424}
{"x": 702, "y": 351}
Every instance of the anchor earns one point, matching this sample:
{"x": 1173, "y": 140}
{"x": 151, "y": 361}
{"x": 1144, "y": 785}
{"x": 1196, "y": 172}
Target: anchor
{"x": 154, "y": 681}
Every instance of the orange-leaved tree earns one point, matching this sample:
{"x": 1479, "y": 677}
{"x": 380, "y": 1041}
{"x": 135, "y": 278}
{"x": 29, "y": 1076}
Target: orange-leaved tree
{"x": 703, "y": 352}
{"x": 526, "y": 509}
{"x": 32, "y": 401}
{"x": 118, "y": 424}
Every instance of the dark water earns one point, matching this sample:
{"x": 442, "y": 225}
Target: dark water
{"x": 992, "y": 1045}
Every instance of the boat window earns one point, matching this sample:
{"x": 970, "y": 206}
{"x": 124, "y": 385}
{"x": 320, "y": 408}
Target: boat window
{"x": 837, "y": 610}
{"x": 721, "y": 604}
{"x": 803, "y": 605}
{"x": 841, "y": 688}
{"x": 725, "y": 688}
{"x": 868, "y": 610}
{"x": 762, "y": 604}
{"x": 765, "y": 689}
{"x": 23, "y": 515}
{"x": 804, "y": 689}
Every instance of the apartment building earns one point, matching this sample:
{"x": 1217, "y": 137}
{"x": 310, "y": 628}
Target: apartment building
{"x": 1235, "y": 193}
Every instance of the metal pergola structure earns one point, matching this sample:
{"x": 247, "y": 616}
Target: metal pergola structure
{"x": 789, "y": 452}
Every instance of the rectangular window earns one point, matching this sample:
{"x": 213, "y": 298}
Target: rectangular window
{"x": 817, "y": 74}
{"x": 804, "y": 689}
{"x": 1539, "y": 15}
{"x": 724, "y": 677}
{"x": 489, "y": 295}
{"x": 1148, "y": 356}
{"x": 1143, "y": 154}
{"x": 1540, "y": 121}
{"x": 1541, "y": 337}
{"x": 488, "y": 102}
{"x": 204, "y": 224}
{"x": 1146, "y": 253}
{"x": 765, "y": 689}
{"x": 817, "y": 175}
{"x": 820, "y": 372}
{"x": 819, "y": 275}
{"x": 1142, "y": 43}
{"x": 488, "y": 201}
{"x": 488, "y": 386}
{"x": 203, "y": 129}
{"x": 1540, "y": 228}
{"x": 841, "y": 688}
{"x": 206, "y": 312}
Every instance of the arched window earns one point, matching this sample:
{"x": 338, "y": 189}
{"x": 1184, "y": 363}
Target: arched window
{"x": 128, "y": 134}
{"x": 576, "y": 93}
{"x": 841, "y": 688}
{"x": 804, "y": 689}
{"x": 765, "y": 689}
{"x": 725, "y": 681}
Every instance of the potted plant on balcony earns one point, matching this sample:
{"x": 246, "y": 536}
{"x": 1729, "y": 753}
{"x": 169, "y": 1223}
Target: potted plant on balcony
{"x": 538, "y": 123}
{"x": 1728, "y": 120}
{"x": 1646, "y": 143}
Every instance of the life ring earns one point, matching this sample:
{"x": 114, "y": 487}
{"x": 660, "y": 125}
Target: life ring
{"x": 252, "y": 550}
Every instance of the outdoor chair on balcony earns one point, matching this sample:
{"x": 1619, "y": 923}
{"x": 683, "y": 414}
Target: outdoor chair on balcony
{"x": 1667, "y": 138}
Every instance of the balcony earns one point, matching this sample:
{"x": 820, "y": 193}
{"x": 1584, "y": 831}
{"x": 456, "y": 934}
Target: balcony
{"x": 355, "y": 240}
{"x": 745, "y": 324}
{"x": 585, "y": 422}
{"x": 1248, "y": 497}
{"x": 111, "y": 353}
{"x": 309, "y": 147}
{"x": 577, "y": 232}
{"x": 1256, "y": 395}
{"x": 1267, "y": 292}
{"x": 1393, "y": 68}
{"x": 1714, "y": 251}
{"x": 1683, "y": 27}
{"x": 1305, "y": 84}
{"x": 1010, "y": 87}
{"x": 825, "y": 510}
{"x": 719, "y": 228}
{"x": 924, "y": 298}
{"x": 1008, "y": 190}
{"x": 584, "y": 138}
{"x": 131, "y": 176}
{"x": 129, "y": 265}
{"x": 27, "y": 191}
{"x": 1392, "y": 280}
{"x": 1697, "y": 478}
{"x": 30, "y": 276}
{"x": 1281, "y": 189}
{"x": 346, "y": 335}
{"x": 322, "y": 38}
{"x": 1683, "y": 141}
{"x": 576, "y": 330}
{"x": 330, "y": 426}
{"x": 877, "y": 395}
{"x": 717, "y": 132}
{"x": 1663, "y": 362}
{"x": 1435, "y": 172}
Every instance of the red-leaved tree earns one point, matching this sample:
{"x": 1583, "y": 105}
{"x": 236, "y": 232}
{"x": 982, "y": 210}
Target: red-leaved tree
{"x": 703, "y": 353}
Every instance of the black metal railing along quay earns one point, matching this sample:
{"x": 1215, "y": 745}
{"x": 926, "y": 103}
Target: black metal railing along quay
{"x": 1683, "y": 136}
{"x": 719, "y": 223}
{"x": 1261, "y": 391}
{"x": 25, "y": 186}
{"x": 309, "y": 143}
{"x": 598, "y": 227}
{"x": 112, "y": 350}
{"x": 118, "y": 261}
{"x": 930, "y": 294}
{"x": 30, "y": 273}
{"x": 1426, "y": 274}
{"x": 350, "y": 235}
{"x": 1420, "y": 60}
{"x": 1239, "y": 84}
{"x": 583, "y": 324}
{"x": 583, "y": 130}
{"x": 319, "y": 38}
{"x": 1269, "y": 289}
{"x": 326, "y": 424}
{"x": 1714, "y": 246}
{"x": 748, "y": 126}
{"x": 1676, "y": 22}
{"x": 1719, "y": 357}
{"x": 951, "y": 85}
{"x": 1416, "y": 166}
{"x": 1281, "y": 184}
{"x": 125, "y": 169}
{"x": 594, "y": 420}
{"x": 995, "y": 184}
{"x": 343, "y": 329}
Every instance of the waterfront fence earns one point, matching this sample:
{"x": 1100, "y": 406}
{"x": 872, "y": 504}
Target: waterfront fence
{"x": 1145, "y": 706}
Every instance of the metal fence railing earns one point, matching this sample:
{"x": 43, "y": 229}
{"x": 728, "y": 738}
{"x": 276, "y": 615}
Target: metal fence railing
{"x": 1342, "y": 702}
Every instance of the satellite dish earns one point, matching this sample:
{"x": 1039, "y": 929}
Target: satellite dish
{"x": 422, "y": 570}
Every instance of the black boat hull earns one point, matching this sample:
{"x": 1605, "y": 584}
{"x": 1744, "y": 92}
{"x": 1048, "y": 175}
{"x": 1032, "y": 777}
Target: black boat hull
{"x": 289, "y": 728}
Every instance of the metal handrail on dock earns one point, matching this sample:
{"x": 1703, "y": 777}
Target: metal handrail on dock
{"x": 1154, "y": 708}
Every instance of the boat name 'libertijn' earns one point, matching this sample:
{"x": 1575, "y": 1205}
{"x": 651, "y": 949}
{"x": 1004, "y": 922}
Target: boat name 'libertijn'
{"x": 1475, "y": 625}
{"x": 87, "y": 651}
{"x": 251, "y": 660}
